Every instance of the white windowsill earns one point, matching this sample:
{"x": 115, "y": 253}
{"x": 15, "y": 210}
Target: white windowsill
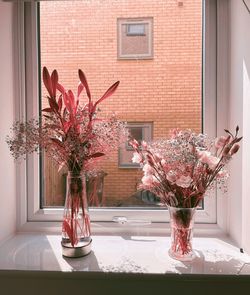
{"x": 130, "y": 228}
{"x": 147, "y": 254}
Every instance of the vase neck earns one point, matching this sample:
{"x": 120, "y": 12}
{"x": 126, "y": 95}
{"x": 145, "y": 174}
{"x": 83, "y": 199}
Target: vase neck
{"x": 170, "y": 208}
{"x": 72, "y": 174}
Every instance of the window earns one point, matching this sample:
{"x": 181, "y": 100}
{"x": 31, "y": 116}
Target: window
{"x": 135, "y": 38}
{"x": 140, "y": 132}
{"x": 166, "y": 91}
{"x": 136, "y": 29}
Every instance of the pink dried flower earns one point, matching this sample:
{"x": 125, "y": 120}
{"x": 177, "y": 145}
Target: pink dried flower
{"x": 147, "y": 169}
{"x": 137, "y": 158}
{"x": 171, "y": 177}
{"x": 184, "y": 181}
{"x": 220, "y": 142}
{"x": 206, "y": 158}
{"x": 182, "y": 168}
{"x": 147, "y": 180}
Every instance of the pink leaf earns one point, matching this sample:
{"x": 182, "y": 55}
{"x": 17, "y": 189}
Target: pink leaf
{"x": 71, "y": 99}
{"x": 48, "y": 110}
{"x": 80, "y": 89}
{"x": 60, "y": 103}
{"x": 54, "y": 81}
{"x": 53, "y": 104}
{"x": 60, "y": 88}
{"x": 66, "y": 101}
{"x": 47, "y": 81}
{"x": 66, "y": 126}
{"x": 89, "y": 106}
{"x": 108, "y": 93}
{"x": 69, "y": 232}
{"x": 96, "y": 155}
{"x": 85, "y": 83}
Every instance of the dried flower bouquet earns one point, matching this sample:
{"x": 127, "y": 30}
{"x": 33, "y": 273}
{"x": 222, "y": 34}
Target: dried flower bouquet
{"x": 72, "y": 134}
{"x": 180, "y": 170}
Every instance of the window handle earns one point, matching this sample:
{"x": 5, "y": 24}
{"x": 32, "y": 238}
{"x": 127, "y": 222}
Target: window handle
{"x": 124, "y": 220}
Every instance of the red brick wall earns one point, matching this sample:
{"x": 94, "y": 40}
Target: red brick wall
{"x": 165, "y": 90}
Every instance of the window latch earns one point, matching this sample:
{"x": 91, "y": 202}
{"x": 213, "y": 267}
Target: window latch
{"x": 126, "y": 221}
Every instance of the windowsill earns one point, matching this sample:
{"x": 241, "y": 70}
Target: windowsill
{"x": 112, "y": 228}
{"x": 145, "y": 254}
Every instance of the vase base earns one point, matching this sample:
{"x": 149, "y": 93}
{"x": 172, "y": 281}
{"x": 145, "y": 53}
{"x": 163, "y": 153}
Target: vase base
{"x": 186, "y": 257}
{"x": 74, "y": 252}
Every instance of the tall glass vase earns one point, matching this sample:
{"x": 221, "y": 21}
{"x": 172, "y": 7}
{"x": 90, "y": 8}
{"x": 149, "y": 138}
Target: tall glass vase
{"x": 181, "y": 222}
{"x": 76, "y": 236}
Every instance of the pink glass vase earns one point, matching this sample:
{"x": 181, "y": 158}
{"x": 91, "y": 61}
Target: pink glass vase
{"x": 76, "y": 237}
{"x": 181, "y": 222}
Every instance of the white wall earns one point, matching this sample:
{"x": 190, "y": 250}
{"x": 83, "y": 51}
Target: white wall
{"x": 239, "y": 105}
{"x": 7, "y": 169}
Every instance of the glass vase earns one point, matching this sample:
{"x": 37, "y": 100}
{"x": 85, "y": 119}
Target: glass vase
{"x": 181, "y": 222}
{"x": 76, "y": 236}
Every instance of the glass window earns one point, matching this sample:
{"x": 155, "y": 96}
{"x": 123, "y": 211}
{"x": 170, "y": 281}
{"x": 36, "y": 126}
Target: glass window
{"x": 175, "y": 89}
{"x": 166, "y": 90}
{"x": 135, "y": 37}
{"x": 136, "y": 133}
{"x": 136, "y": 29}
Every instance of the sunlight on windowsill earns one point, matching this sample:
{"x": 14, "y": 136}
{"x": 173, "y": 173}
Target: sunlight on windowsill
{"x": 123, "y": 254}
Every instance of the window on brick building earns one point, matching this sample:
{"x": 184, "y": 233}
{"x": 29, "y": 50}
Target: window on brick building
{"x": 165, "y": 91}
{"x": 156, "y": 94}
{"x": 135, "y": 38}
{"x": 136, "y": 29}
{"x": 139, "y": 131}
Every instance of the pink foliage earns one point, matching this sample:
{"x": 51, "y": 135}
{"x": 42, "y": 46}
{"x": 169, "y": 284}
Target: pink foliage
{"x": 182, "y": 168}
{"x": 71, "y": 134}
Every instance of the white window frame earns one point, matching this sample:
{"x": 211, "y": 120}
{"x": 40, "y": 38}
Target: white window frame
{"x": 130, "y": 21}
{"x": 29, "y": 214}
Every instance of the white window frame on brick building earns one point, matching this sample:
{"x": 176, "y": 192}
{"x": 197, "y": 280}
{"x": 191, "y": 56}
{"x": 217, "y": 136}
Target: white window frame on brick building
{"x": 30, "y": 214}
{"x": 123, "y": 31}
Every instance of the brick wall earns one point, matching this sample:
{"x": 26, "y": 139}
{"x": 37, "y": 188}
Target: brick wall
{"x": 165, "y": 90}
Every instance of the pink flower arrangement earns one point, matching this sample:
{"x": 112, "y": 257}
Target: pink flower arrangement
{"x": 71, "y": 133}
{"x": 181, "y": 169}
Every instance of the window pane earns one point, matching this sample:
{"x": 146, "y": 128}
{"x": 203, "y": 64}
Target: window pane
{"x": 165, "y": 89}
{"x": 136, "y": 29}
{"x": 136, "y": 133}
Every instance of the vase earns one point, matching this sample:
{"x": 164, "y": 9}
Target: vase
{"x": 181, "y": 223}
{"x": 76, "y": 236}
